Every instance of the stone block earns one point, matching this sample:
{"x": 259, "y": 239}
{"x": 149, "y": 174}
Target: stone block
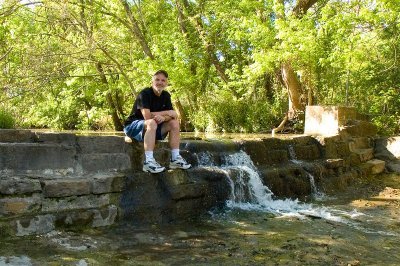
{"x": 97, "y": 162}
{"x": 15, "y": 206}
{"x": 326, "y": 120}
{"x": 65, "y": 187}
{"x": 102, "y": 144}
{"x": 19, "y": 185}
{"x": 49, "y": 137}
{"x": 360, "y": 129}
{"x": 15, "y": 135}
{"x": 40, "y": 224}
{"x": 197, "y": 146}
{"x": 102, "y": 184}
{"x": 75, "y": 202}
{"x": 36, "y": 156}
{"x": 377, "y": 166}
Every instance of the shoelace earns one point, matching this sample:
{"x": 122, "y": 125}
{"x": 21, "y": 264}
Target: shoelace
{"x": 154, "y": 162}
{"x": 179, "y": 158}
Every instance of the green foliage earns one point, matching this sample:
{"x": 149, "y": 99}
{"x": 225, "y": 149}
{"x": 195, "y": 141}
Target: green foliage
{"x": 71, "y": 65}
{"x": 219, "y": 115}
{"x": 6, "y": 119}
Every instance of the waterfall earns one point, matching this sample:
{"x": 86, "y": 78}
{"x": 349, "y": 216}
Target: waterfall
{"x": 250, "y": 194}
{"x": 247, "y": 189}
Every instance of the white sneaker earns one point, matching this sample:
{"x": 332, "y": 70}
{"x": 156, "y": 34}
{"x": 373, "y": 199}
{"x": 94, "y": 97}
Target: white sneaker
{"x": 153, "y": 167}
{"x": 180, "y": 163}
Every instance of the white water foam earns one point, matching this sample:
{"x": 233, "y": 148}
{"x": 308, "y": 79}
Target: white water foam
{"x": 250, "y": 194}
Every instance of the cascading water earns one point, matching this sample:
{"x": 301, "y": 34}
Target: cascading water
{"x": 315, "y": 193}
{"x": 247, "y": 189}
{"x": 248, "y": 193}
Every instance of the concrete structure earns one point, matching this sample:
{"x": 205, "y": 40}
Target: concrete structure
{"x": 328, "y": 120}
{"x": 60, "y": 180}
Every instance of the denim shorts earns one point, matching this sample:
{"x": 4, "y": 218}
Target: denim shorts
{"x": 135, "y": 131}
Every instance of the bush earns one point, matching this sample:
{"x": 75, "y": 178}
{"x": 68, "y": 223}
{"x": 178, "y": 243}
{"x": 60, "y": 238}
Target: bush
{"x": 6, "y": 119}
{"x": 234, "y": 116}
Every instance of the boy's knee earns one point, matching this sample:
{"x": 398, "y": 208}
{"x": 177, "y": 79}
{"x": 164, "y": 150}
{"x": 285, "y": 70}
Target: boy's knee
{"x": 175, "y": 124}
{"x": 151, "y": 124}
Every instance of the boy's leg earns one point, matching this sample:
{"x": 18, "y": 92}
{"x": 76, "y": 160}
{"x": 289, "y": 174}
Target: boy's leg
{"x": 150, "y": 127}
{"x": 172, "y": 127}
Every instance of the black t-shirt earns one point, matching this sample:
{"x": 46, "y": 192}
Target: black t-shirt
{"x": 147, "y": 99}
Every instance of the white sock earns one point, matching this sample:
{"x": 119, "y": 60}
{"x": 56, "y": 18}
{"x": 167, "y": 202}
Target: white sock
{"x": 174, "y": 154}
{"x": 149, "y": 155}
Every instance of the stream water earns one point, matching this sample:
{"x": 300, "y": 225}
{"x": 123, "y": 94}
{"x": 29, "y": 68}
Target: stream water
{"x": 359, "y": 226}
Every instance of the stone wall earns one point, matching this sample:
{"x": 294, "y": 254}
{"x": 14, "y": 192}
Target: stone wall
{"x": 58, "y": 180}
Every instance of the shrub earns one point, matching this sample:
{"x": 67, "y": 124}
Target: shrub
{"x": 6, "y": 119}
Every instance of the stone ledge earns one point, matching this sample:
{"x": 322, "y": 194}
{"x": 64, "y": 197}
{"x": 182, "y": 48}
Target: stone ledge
{"x": 16, "y": 185}
{"x": 75, "y": 202}
{"x": 65, "y": 187}
{"x": 15, "y": 135}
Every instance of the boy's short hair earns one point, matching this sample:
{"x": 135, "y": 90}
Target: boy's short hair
{"x": 161, "y": 71}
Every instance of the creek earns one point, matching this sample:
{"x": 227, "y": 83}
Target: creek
{"x": 359, "y": 225}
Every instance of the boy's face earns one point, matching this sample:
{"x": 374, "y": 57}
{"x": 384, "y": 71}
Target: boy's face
{"x": 159, "y": 82}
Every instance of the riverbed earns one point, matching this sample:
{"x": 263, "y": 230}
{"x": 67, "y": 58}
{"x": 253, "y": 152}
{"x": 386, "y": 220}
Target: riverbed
{"x": 358, "y": 226}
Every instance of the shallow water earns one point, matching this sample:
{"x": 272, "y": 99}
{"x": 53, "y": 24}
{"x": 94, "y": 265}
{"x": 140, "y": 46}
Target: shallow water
{"x": 365, "y": 230}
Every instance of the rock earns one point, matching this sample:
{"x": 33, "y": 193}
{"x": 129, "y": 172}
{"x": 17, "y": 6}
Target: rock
{"x": 377, "y": 166}
{"x": 394, "y": 167}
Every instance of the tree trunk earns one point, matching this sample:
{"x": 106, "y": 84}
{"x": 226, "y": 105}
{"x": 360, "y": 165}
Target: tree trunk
{"x": 289, "y": 77}
{"x": 293, "y": 86}
{"x": 114, "y": 113}
{"x": 184, "y": 121}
